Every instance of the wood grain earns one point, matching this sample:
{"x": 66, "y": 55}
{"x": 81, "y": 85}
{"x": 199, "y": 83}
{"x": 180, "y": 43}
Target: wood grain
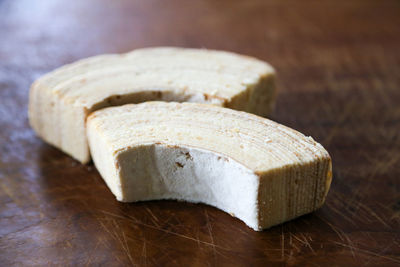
{"x": 339, "y": 79}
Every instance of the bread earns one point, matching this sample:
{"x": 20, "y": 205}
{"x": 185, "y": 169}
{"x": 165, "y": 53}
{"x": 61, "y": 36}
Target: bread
{"x": 61, "y": 100}
{"x": 253, "y": 168}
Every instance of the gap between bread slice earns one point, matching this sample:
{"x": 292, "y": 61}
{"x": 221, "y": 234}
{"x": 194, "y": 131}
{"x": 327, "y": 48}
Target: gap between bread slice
{"x": 255, "y": 169}
{"x": 61, "y": 100}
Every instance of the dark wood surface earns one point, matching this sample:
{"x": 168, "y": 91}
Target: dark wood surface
{"x": 339, "y": 81}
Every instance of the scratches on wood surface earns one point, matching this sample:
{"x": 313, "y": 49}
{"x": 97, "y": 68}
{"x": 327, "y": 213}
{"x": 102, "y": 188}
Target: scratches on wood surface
{"x": 304, "y": 241}
{"x": 138, "y": 222}
{"x": 342, "y": 236}
{"x": 372, "y": 214}
{"x": 155, "y": 220}
{"x": 282, "y": 244}
{"x": 89, "y": 260}
{"x": 209, "y": 229}
{"x": 364, "y": 251}
{"x": 144, "y": 252}
{"x": 339, "y": 212}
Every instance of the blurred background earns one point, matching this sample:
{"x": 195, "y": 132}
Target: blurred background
{"x": 338, "y": 65}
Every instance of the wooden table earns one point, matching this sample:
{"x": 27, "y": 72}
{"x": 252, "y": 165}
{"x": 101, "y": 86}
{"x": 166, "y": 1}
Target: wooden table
{"x": 339, "y": 81}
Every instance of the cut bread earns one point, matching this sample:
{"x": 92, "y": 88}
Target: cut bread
{"x": 253, "y": 168}
{"x": 61, "y": 100}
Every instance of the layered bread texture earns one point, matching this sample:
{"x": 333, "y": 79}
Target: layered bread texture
{"x": 253, "y": 168}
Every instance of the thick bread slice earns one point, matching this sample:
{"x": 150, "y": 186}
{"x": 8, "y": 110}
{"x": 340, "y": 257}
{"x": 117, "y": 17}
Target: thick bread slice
{"x": 61, "y": 100}
{"x": 255, "y": 169}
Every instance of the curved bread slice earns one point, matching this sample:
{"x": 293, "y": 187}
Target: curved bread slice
{"x": 255, "y": 169}
{"x": 61, "y": 100}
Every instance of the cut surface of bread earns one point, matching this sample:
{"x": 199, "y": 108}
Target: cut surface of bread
{"x": 61, "y": 100}
{"x": 253, "y": 168}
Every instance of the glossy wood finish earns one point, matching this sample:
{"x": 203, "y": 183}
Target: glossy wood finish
{"x": 339, "y": 81}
